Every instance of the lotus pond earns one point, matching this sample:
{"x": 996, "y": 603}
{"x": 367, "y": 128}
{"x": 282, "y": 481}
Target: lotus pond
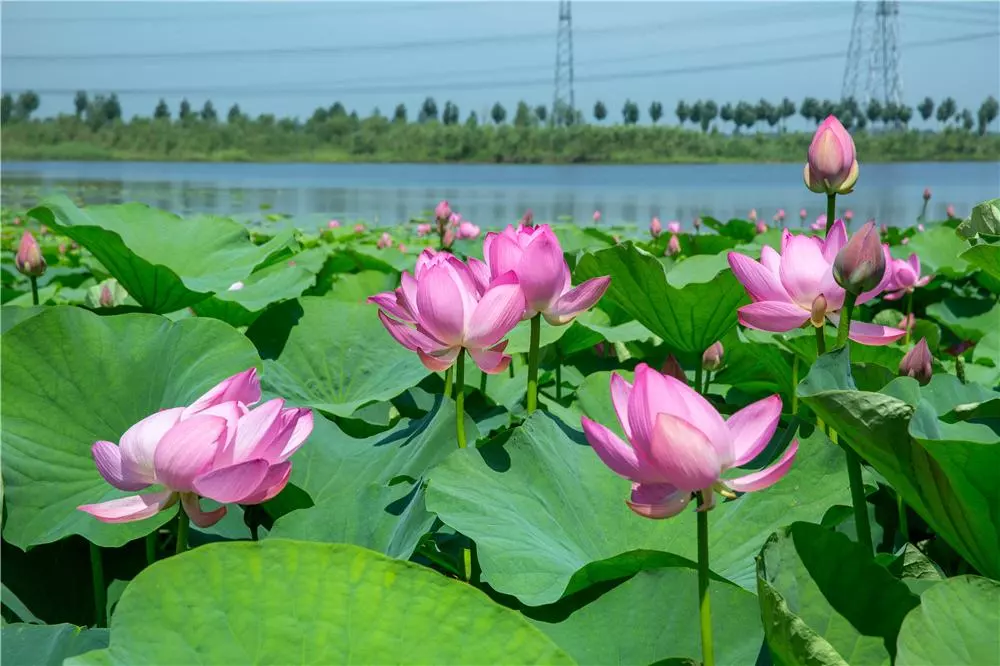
{"x": 233, "y": 445}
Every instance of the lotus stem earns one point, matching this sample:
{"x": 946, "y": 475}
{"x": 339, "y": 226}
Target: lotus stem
{"x": 960, "y": 368}
{"x": 831, "y": 210}
{"x": 460, "y": 397}
{"x": 183, "y": 522}
{"x": 698, "y": 370}
{"x": 821, "y": 340}
{"x": 906, "y": 319}
{"x": 97, "y": 577}
{"x": 447, "y": 383}
{"x": 845, "y": 319}
{"x": 536, "y": 331}
{"x": 795, "y": 383}
{"x": 904, "y": 526}
{"x": 482, "y": 383}
{"x": 858, "y": 499}
{"x": 151, "y": 548}
{"x": 34, "y": 289}
{"x": 704, "y": 608}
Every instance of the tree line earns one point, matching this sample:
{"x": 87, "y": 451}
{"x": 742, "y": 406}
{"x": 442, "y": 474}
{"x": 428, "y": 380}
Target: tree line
{"x": 100, "y": 110}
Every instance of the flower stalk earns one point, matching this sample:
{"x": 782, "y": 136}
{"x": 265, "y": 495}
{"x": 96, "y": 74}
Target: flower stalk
{"x": 831, "y": 210}
{"x": 460, "y": 398}
{"x": 536, "y": 331}
{"x": 183, "y": 524}
{"x": 704, "y": 607}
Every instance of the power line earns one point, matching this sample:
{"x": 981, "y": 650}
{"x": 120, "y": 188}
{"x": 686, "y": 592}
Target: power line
{"x": 263, "y": 90}
{"x": 395, "y": 46}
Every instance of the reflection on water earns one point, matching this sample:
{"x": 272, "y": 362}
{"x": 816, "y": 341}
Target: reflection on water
{"x": 490, "y": 195}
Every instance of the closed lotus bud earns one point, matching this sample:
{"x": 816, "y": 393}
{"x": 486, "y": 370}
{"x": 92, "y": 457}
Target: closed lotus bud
{"x": 803, "y": 214}
{"x": 359, "y": 228}
{"x": 950, "y": 212}
{"x": 597, "y": 216}
{"x": 442, "y": 211}
{"x": 817, "y": 314}
{"x": 860, "y": 264}
{"x": 673, "y": 369}
{"x": 423, "y": 229}
{"x": 384, "y": 241}
{"x": 29, "y": 260}
{"x": 655, "y": 227}
{"x": 107, "y": 299}
{"x": 448, "y": 238}
{"x": 333, "y": 224}
{"x": 752, "y": 215}
{"x": 761, "y": 227}
{"x": 673, "y": 246}
{"x": 712, "y": 358}
{"x": 674, "y": 227}
{"x": 528, "y": 219}
{"x": 917, "y": 363}
{"x": 832, "y": 167}
{"x": 455, "y": 220}
{"x": 927, "y": 194}
{"x": 697, "y": 223}
{"x": 848, "y": 215}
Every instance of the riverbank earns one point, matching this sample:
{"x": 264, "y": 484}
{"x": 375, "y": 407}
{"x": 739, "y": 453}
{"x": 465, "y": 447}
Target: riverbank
{"x": 386, "y": 142}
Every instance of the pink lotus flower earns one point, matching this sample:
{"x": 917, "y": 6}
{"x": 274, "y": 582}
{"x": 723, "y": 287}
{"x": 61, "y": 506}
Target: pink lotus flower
{"x": 597, "y": 216}
{"x": 785, "y": 286}
{"x": 673, "y": 246}
{"x": 333, "y": 224}
{"x": 803, "y": 214}
{"x": 752, "y": 215}
{"x": 535, "y": 256}
{"x": 860, "y": 265}
{"x": 447, "y": 306}
{"x": 678, "y": 444}
{"x": 712, "y": 358}
{"x": 674, "y": 227}
{"x": 916, "y": 363}
{"x": 832, "y": 167}
{"x": 905, "y": 277}
{"x": 423, "y": 229}
{"x": 467, "y": 230}
{"x": 384, "y": 241}
{"x": 455, "y": 220}
{"x": 927, "y": 194}
{"x": 761, "y": 227}
{"x": 655, "y": 227}
{"x": 359, "y": 228}
{"x": 217, "y": 448}
{"x": 780, "y": 215}
{"x": 29, "y": 260}
{"x": 950, "y": 212}
{"x": 442, "y": 211}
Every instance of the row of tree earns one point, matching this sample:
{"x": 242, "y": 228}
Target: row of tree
{"x": 101, "y": 110}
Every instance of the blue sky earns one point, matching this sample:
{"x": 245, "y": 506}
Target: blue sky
{"x": 289, "y": 57}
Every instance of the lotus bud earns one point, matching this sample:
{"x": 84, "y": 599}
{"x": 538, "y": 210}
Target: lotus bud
{"x": 528, "y": 219}
{"x": 597, "y": 216}
{"x": 107, "y": 299}
{"x": 674, "y": 227}
{"x": 752, "y": 215}
{"x": 655, "y": 227}
{"x": 384, "y": 241}
{"x": 423, "y": 229}
{"x": 29, "y": 260}
{"x": 950, "y": 212}
{"x": 848, "y": 215}
{"x": 448, "y": 238}
{"x": 455, "y": 219}
{"x": 442, "y": 211}
{"x": 860, "y": 264}
{"x": 711, "y": 360}
{"x": 905, "y": 241}
{"x": 761, "y": 227}
{"x": 673, "y": 247}
{"x": 917, "y": 363}
{"x": 920, "y": 227}
{"x": 817, "y": 314}
{"x": 697, "y": 223}
{"x": 832, "y": 167}
{"x": 672, "y": 368}
{"x": 780, "y": 215}
{"x": 402, "y": 248}
{"x": 333, "y": 224}
{"x": 803, "y": 214}
{"x": 927, "y": 194}
{"x": 359, "y": 228}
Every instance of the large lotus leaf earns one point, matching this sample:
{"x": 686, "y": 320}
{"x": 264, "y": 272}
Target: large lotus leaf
{"x": 983, "y": 221}
{"x": 357, "y": 287}
{"x": 939, "y": 250}
{"x": 71, "y": 378}
{"x": 689, "y": 307}
{"x": 294, "y": 602}
{"x": 331, "y": 355}
{"x": 653, "y": 616}
{"x": 825, "y": 601}
{"x": 948, "y": 473}
{"x": 367, "y": 491}
{"x": 742, "y": 230}
{"x": 164, "y": 261}
{"x": 956, "y": 624}
{"x": 279, "y": 281}
{"x": 549, "y": 518}
{"x": 985, "y": 256}
{"x": 47, "y": 645}
{"x": 968, "y": 318}
{"x": 13, "y": 315}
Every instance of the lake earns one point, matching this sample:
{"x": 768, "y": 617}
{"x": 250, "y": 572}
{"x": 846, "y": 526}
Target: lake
{"x": 493, "y": 195}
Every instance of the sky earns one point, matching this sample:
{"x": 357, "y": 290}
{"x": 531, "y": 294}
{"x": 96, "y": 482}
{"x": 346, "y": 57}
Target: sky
{"x": 287, "y": 58}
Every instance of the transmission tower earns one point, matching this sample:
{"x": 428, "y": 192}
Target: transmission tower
{"x": 872, "y": 69}
{"x": 563, "y": 102}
